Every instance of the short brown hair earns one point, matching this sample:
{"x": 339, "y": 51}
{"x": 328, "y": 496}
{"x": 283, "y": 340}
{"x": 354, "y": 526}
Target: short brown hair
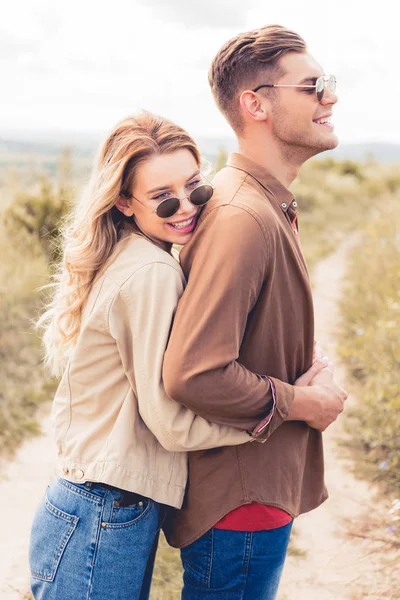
{"x": 240, "y": 62}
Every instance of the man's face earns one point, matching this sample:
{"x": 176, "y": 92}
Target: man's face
{"x": 297, "y": 119}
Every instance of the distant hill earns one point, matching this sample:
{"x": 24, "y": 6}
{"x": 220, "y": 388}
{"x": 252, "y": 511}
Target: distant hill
{"x": 380, "y": 152}
{"x": 85, "y": 145}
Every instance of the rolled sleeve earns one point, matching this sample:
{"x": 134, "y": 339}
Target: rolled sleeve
{"x": 279, "y": 410}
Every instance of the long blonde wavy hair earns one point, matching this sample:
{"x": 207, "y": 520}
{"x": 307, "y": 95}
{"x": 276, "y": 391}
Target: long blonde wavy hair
{"x": 92, "y": 232}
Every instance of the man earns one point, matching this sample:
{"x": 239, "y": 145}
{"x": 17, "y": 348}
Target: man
{"x": 244, "y": 329}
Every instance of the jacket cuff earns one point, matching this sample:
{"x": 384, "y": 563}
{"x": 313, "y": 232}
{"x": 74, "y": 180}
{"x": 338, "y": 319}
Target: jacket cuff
{"x": 282, "y": 397}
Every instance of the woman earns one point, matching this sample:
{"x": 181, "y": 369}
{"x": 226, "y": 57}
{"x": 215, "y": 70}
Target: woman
{"x": 121, "y": 441}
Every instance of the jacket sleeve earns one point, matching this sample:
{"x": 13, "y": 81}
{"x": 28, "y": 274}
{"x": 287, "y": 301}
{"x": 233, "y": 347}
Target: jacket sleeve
{"x": 146, "y": 304}
{"x": 227, "y": 265}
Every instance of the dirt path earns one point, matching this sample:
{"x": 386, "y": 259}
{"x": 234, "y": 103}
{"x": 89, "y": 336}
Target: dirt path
{"x": 336, "y": 567}
{"x": 22, "y": 484}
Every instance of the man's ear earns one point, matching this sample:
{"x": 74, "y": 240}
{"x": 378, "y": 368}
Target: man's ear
{"x": 254, "y": 106}
{"x": 124, "y": 204}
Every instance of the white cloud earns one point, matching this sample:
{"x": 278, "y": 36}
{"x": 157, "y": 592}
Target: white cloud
{"x": 211, "y": 14}
{"x": 83, "y": 65}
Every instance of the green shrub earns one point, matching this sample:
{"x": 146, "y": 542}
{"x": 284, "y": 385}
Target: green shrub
{"x": 29, "y": 229}
{"x": 23, "y": 269}
{"x": 39, "y": 215}
{"x": 335, "y": 198}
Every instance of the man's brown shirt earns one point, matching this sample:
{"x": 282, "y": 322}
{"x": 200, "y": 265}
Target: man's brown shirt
{"x": 246, "y": 313}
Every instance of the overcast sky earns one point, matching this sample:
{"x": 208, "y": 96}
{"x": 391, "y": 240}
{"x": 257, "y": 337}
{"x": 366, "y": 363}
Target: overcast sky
{"x": 82, "y": 65}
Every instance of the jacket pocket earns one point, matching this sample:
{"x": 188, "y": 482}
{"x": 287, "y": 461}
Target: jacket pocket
{"x": 51, "y": 531}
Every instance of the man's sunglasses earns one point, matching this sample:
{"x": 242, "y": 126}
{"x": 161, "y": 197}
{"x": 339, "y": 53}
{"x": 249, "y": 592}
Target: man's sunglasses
{"x": 325, "y": 81}
{"x": 170, "y": 206}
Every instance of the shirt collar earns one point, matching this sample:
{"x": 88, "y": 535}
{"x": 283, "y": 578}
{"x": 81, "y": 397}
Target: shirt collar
{"x": 283, "y": 196}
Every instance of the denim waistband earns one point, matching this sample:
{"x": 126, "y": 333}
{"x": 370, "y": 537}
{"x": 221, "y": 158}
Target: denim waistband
{"x": 127, "y": 497}
{"x": 100, "y": 489}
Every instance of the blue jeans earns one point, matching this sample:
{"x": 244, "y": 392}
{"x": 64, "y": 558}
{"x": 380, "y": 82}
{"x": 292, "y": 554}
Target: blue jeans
{"x": 86, "y": 546}
{"x": 235, "y": 565}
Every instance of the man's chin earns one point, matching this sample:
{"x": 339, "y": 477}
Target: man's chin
{"x": 333, "y": 142}
{"x": 329, "y": 143}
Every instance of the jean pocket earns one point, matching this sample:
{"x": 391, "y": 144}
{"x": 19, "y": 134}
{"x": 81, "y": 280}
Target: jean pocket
{"x": 126, "y": 516}
{"x": 51, "y": 531}
{"x": 197, "y": 561}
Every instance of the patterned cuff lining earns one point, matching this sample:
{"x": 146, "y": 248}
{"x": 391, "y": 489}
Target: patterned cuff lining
{"x": 259, "y": 429}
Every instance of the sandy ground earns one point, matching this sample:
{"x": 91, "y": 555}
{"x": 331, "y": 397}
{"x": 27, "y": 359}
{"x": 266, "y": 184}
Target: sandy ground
{"x": 22, "y": 484}
{"x": 336, "y": 566}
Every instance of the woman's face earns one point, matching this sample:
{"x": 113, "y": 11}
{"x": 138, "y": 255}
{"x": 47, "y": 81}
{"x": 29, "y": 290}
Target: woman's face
{"x": 162, "y": 176}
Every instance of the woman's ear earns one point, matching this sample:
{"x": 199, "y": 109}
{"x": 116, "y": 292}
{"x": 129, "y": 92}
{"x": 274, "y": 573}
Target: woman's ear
{"x": 124, "y": 204}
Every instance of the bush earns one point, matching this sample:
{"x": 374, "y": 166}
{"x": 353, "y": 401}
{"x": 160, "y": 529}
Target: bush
{"x": 336, "y": 198}
{"x": 370, "y": 343}
{"x": 39, "y": 215}
{"x": 29, "y": 230}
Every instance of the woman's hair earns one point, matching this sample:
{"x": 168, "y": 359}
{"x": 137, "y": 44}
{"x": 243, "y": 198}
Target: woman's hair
{"x": 91, "y": 234}
{"x": 244, "y": 61}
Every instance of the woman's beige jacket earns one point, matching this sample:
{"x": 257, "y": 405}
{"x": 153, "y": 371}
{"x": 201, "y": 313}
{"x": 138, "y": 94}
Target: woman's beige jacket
{"x": 114, "y": 422}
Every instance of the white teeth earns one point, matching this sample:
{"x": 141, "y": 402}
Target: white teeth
{"x": 182, "y": 224}
{"x": 323, "y": 121}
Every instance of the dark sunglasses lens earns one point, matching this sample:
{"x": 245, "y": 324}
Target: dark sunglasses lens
{"x": 168, "y": 207}
{"x": 201, "y": 195}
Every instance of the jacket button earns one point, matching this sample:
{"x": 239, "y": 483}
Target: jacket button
{"x": 65, "y": 470}
{"x": 117, "y": 503}
{"x": 140, "y": 504}
{"x": 294, "y": 203}
{"x": 79, "y": 474}
{"x": 104, "y": 525}
{"x": 284, "y": 205}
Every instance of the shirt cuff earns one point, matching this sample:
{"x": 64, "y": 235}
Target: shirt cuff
{"x": 282, "y": 396}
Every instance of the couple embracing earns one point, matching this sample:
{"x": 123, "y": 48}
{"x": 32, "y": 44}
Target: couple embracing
{"x": 193, "y": 393}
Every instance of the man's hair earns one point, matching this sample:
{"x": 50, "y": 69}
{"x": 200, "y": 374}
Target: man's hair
{"x": 242, "y": 61}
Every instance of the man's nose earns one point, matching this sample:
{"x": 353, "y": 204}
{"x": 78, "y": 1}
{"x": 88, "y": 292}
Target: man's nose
{"x": 329, "y": 97}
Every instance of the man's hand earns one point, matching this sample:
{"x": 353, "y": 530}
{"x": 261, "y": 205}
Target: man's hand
{"x": 318, "y": 399}
{"x": 329, "y": 405}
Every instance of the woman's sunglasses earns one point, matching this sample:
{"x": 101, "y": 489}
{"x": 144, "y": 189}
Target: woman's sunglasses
{"x": 170, "y": 206}
{"x": 325, "y": 81}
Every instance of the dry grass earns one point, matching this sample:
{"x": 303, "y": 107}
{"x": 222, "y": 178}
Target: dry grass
{"x": 167, "y": 577}
{"x": 23, "y": 385}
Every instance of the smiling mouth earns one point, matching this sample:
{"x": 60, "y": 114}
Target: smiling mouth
{"x": 183, "y": 224}
{"x": 323, "y": 121}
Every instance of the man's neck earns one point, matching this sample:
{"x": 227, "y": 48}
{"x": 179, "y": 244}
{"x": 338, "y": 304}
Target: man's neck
{"x": 270, "y": 156}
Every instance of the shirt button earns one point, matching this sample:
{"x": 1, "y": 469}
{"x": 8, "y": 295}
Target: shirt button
{"x": 65, "y": 470}
{"x": 284, "y": 205}
{"x": 79, "y": 474}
